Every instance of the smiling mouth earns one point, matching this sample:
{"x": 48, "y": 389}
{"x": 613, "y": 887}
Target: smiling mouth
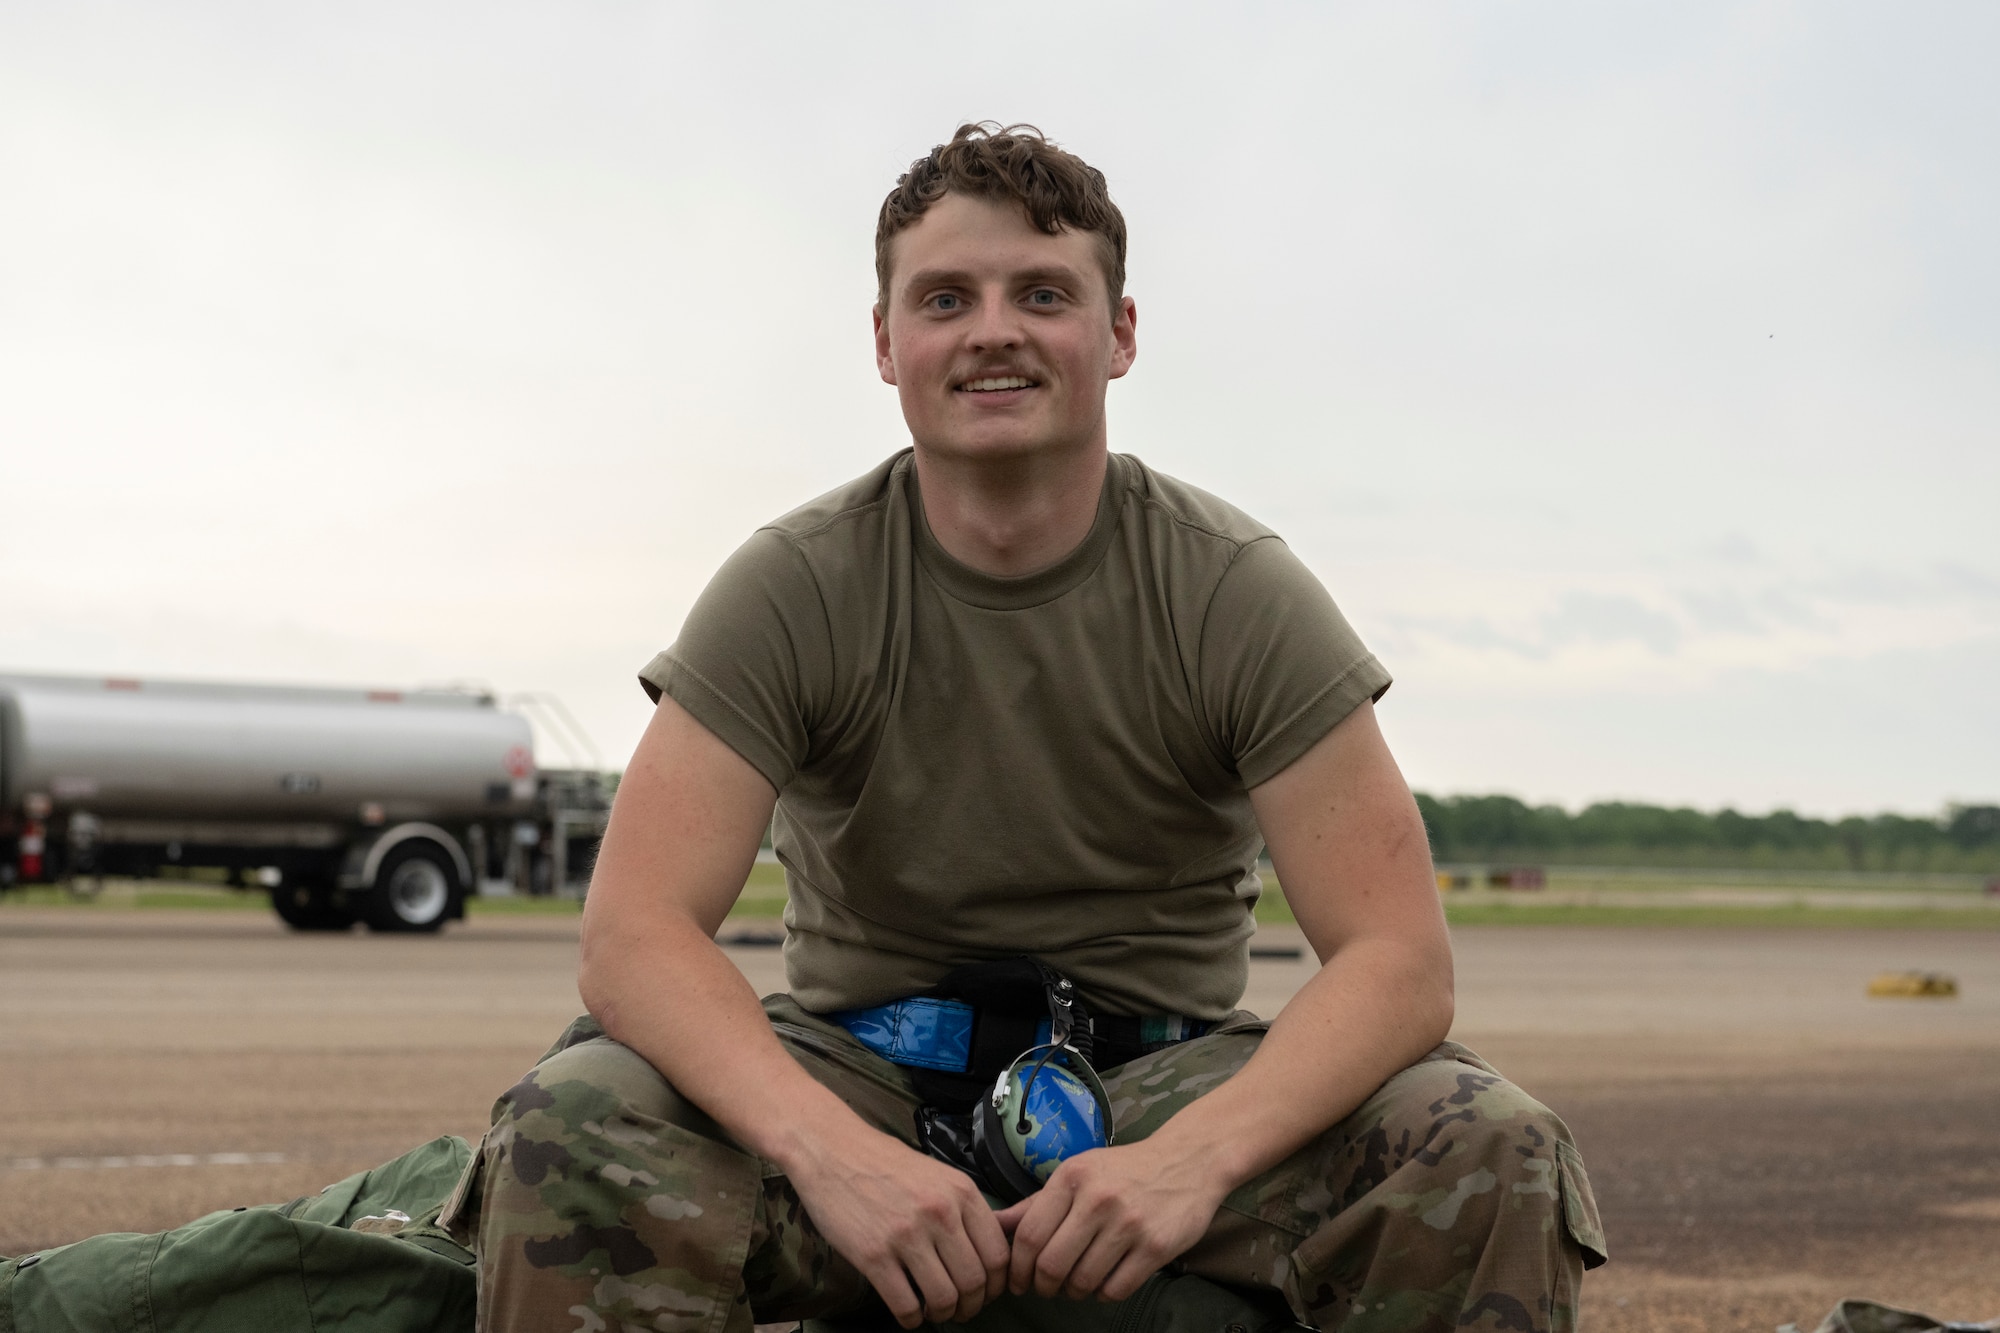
{"x": 998, "y": 384}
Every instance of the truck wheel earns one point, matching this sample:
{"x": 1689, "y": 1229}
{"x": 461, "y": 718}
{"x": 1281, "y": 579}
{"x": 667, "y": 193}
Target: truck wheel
{"x": 310, "y": 907}
{"x": 415, "y": 889}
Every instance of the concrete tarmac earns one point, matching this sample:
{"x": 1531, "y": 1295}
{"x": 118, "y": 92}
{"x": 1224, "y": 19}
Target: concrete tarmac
{"x": 1763, "y": 1138}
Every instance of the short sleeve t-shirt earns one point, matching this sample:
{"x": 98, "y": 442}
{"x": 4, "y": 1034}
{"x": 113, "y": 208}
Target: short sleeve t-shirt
{"x": 972, "y": 767}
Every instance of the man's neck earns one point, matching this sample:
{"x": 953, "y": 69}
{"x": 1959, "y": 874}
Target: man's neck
{"x": 1014, "y": 516}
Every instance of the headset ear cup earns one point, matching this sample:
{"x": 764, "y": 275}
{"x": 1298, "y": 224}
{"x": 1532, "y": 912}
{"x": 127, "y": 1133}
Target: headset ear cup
{"x": 1006, "y": 1178}
{"x": 1086, "y": 1073}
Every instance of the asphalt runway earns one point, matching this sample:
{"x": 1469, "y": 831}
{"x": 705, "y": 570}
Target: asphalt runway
{"x": 1764, "y": 1139}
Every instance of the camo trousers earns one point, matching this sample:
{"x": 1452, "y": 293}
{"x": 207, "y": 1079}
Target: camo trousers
{"x": 602, "y": 1200}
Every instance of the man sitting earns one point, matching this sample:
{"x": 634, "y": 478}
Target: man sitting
{"x": 1013, "y": 694}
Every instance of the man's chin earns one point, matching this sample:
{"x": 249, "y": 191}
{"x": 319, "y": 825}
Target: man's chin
{"x": 1000, "y": 445}
{"x": 998, "y": 452}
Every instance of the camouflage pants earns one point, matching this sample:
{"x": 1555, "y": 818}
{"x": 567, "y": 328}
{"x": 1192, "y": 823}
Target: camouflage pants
{"x": 602, "y": 1200}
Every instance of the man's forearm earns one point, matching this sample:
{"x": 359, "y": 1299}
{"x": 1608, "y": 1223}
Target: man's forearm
{"x": 682, "y": 837}
{"x": 1372, "y": 1010}
{"x": 669, "y": 993}
{"x": 1349, "y": 846}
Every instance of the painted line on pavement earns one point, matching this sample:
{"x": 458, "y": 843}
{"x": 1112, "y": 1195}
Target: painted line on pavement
{"x": 144, "y": 1159}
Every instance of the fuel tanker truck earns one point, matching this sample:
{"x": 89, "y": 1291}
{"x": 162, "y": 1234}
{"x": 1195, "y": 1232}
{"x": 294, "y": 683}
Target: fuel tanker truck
{"x": 382, "y": 806}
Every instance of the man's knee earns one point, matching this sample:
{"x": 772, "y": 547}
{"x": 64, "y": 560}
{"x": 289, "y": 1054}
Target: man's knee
{"x": 579, "y": 1136}
{"x": 594, "y": 1084}
{"x": 1491, "y": 1155}
{"x": 1457, "y": 1116}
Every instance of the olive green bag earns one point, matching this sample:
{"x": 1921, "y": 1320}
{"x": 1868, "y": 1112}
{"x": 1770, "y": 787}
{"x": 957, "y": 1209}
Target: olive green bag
{"x": 362, "y": 1256}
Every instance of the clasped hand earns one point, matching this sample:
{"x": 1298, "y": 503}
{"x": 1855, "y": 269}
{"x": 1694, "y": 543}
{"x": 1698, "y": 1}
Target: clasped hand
{"x": 923, "y": 1235}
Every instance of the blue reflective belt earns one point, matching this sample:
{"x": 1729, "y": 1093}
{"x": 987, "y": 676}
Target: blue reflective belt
{"x": 928, "y": 1033}
{"x": 937, "y": 1034}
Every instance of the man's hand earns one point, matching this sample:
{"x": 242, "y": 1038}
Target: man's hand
{"x": 918, "y": 1230}
{"x": 1110, "y": 1218}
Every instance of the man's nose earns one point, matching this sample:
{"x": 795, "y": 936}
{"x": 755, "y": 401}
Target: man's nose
{"x": 995, "y": 322}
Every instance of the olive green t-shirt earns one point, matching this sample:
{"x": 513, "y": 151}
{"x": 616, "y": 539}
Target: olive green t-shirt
{"x": 973, "y": 767}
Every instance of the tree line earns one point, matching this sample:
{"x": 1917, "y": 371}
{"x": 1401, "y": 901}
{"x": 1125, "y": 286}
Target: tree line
{"x": 1964, "y": 838}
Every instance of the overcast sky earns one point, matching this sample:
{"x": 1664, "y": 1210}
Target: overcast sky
{"x": 1630, "y": 374}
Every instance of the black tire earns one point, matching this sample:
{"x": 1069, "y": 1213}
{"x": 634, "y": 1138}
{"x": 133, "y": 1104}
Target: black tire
{"x": 416, "y": 889}
{"x": 310, "y": 907}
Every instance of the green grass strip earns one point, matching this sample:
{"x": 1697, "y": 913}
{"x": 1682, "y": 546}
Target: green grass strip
{"x": 1529, "y": 914}
{"x": 764, "y": 899}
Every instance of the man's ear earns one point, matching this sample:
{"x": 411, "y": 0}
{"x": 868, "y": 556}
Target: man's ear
{"x": 884, "y": 363}
{"x": 1124, "y": 337}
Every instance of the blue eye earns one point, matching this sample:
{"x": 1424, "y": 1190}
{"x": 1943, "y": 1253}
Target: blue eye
{"x": 944, "y": 301}
{"x": 1043, "y": 296}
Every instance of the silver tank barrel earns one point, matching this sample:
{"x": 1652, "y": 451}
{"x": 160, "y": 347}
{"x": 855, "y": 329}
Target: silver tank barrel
{"x": 168, "y": 749}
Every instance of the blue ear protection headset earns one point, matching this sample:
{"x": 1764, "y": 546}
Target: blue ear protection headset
{"x": 1045, "y": 1108}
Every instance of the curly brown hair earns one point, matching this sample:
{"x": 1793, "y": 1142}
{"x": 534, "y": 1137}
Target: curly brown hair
{"x": 986, "y": 160}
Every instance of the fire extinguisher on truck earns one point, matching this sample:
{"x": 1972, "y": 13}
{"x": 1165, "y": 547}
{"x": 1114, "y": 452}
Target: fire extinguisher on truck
{"x": 34, "y": 836}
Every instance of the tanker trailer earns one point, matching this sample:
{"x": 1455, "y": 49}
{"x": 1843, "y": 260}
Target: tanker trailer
{"x": 369, "y": 805}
